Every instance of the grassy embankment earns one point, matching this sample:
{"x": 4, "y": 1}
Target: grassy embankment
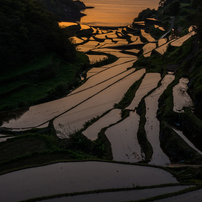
{"x": 38, "y": 147}
{"x": 46, "y": 78}
{"x": 156, "y": 63}
{"x": 172, "y": 144}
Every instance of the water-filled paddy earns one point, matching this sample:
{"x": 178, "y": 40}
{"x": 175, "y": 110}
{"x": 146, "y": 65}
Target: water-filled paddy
{"x": 181, "y": 40}
{"x": 162, "y": 41}
{"x": 77, "y": 177}
{"x": 110, "y": 118}
{"x": 96, "y": 58}
{"x": 67, "y": 24}
{"x": 152, "y": 124}
{"x": 97, "y": 105}
{"x": 149, "y": 82}
{"x": 147, "y": 36}
{"x": 123, "y": 138}
{"x": 94, "y": 71}
{"x": 121, "y": 195}
{"x": 147, "y": 48}
{"x": 186, "y": 197}
{"x": 104, "y": 87}
{"x": 39, "y": 114}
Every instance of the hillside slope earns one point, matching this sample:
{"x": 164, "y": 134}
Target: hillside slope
{"x": 65, "y": 10}
{"x": 34, "y": 51}
{"x": 27, "y": 30}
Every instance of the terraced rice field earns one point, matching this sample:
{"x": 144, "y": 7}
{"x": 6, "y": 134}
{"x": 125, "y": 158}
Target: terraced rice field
{"x": 103, "y": 88}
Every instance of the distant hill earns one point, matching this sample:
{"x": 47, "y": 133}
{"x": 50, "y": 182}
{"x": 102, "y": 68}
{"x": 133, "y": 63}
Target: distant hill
{"x": 65, "y": 10}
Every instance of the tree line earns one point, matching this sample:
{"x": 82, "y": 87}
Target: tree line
{"x": 174, "y": 8}
{"x": 27, "y": 30}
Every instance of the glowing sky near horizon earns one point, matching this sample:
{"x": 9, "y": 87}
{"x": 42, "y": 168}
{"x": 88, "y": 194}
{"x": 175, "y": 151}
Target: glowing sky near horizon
{"x": 115, "y": 12}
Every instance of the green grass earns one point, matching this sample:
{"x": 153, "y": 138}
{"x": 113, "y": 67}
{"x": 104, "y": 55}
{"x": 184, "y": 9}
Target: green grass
{"x": 176, "y": 148}
{"x": 100, "y": 191}
{"x": 34, "y": 149}
{"x": 42, "y": 158}
{"x": 153, "y": 64}
{"x": 141, "y": 133}
{"x": 192, "y": 126}
{"x": 20, "y": 146}
{"x": 181, "y": 52}
{"x": 165, "y": 110}
{"x": 129, "y": 95}
{"x": 48, "y": 78}
{"x": 186, "y": 174}
{"x": 37, "y": 147}
{"x": 38, "y": 63}
{"x": 164, "y": 196}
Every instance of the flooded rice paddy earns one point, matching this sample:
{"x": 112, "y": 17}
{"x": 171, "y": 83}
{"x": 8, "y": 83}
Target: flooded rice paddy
{"x": 96, "y": 98}
{"x": 149, "y": 82}
{"x": 152, "y": 124}
{"x": 102, "y": 101}
{"x": 147, "y": 36}
{"x": 106, "y": 86}
{"x": 187, "y": 197}
{"x": 123, "y": 138}
{"x": 110, "y": 118}
{"x": 96, "y": 58}
{"x": 77, "y": 177}
{"x": 147, "y": 49}
{"x": 122, "y": 195}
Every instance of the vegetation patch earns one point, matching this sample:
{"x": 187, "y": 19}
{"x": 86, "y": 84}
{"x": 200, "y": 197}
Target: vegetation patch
{"x": 129, "y": 95}
{"x": 155, "y": 32}
{"x": 147, "y": 13}
{"x": 48, "y": 78}
{"x": 192, "y": 188}
{"x": 186, "y": 174}
{"x": 32, "y": 148}
{"x": 102, "y": 146}
{"x": 110, "y": 59}
{"x": 20, "y": 146}
{"x": 170, "y": 194}
{"x": 176, "y": 148}
{"x": 141, "y": 134}
{"x": 192, "y": 127}
{"x": 40, "y": 159}
{"x": 35, "y": 32}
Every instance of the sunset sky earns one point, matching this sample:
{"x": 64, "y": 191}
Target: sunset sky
{"x": 115, "y": 12}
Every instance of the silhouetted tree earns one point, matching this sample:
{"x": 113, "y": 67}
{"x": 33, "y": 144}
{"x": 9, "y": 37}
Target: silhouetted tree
{"x": 163, "y": 3}
{"x": 174, "y": 8}
{"x": 197, "y": 4}
{"x": 27, "y": 30}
